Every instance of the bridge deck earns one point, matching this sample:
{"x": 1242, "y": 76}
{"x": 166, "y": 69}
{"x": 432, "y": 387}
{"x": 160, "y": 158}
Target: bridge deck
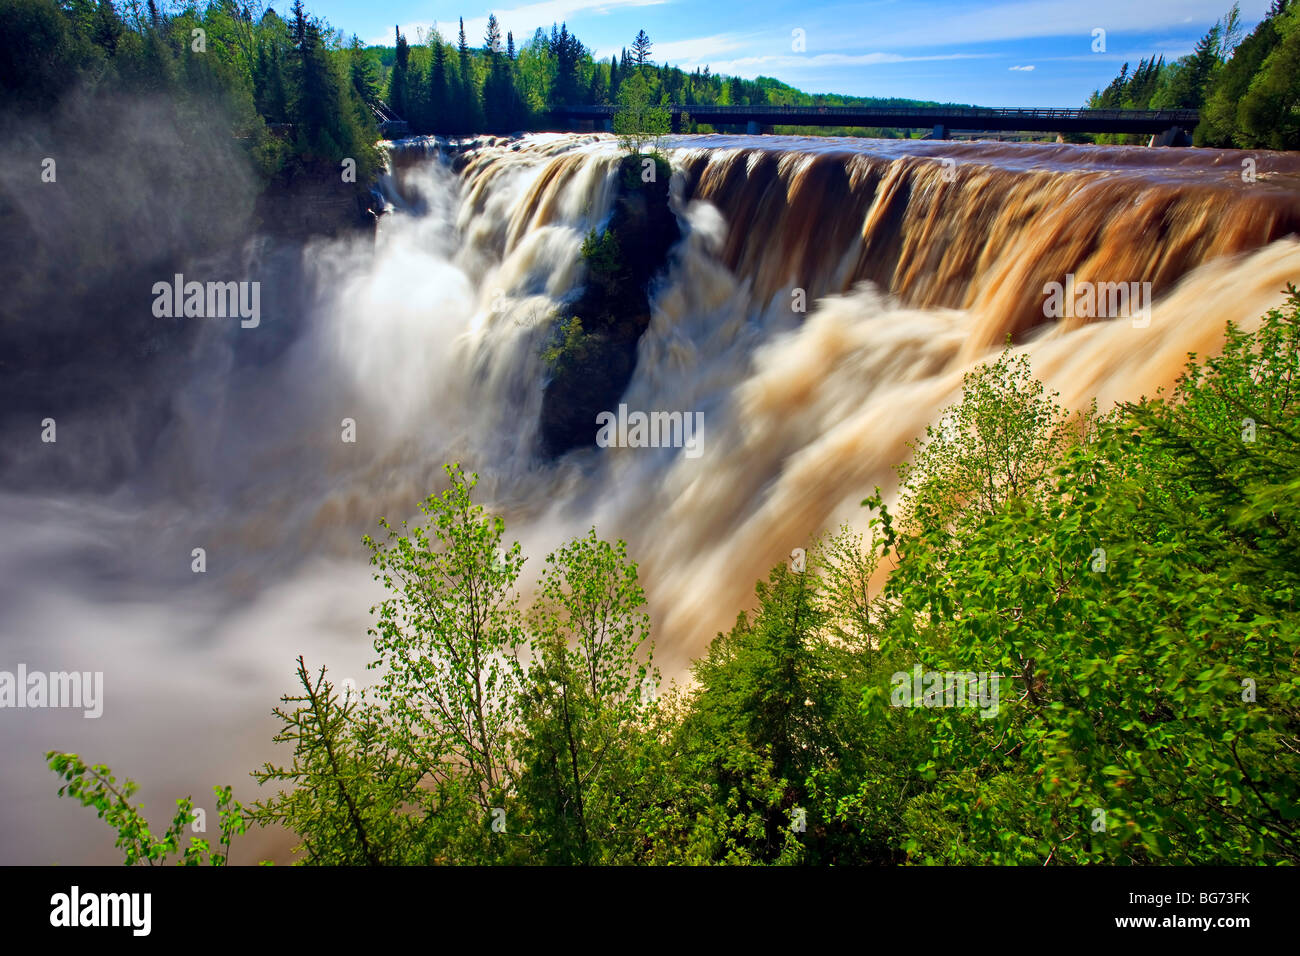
{"x": 1005, "y": 119}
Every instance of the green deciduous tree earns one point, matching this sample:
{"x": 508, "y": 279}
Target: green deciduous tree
{"x": 586, "y": 707}
{"x": 96, "y": 787}
{"x": 448, "y": 638}
{"x": 638, "y": 123}
{"x": 1139, "y": 609}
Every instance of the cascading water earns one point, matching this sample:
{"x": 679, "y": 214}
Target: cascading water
{"x": 915, "y": 260}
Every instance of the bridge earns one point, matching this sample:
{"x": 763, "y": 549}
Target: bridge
{"x": 1168, "y": 127}
{"x": 391, "y": 126}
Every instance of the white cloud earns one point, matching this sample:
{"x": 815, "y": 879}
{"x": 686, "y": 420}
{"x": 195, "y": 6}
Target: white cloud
{"x": 1023, "y": 69}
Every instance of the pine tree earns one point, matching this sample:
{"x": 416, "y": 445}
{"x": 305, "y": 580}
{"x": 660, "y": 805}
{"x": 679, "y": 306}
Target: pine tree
{"x": 568, "y": 51}
{"x": 440, "y": 106}
{"x": 108, "y": 28}
{"x": 498, "y": 88}
{"x": 270, "y": 92}
{"x": 467, "y": 92}
{"x": 641, "y": 49}
{"x": 1192, "y": 82}
{"x": 462, "y": 48}
{"x": 331, "y": 122}
{"x": 363, "y": 73}
{"x": 397, "y": 81}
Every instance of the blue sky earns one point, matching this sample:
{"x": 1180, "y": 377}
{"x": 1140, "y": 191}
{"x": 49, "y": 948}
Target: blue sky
{"x": 1000, "y": 53}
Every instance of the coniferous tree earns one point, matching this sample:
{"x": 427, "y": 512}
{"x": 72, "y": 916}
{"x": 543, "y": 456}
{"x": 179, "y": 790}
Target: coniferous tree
{"x": 497, "y": 93}
{"x": 440, "y": 103}
{"x": 331, "y": 123}
{"x": 397, "y": 82}
{"x": 567, "y": 51}
{"x": 641, "y": 49}
{"x": 109, "y": 27}
{"x": 363, "y": 72}
{"x": 271, "y": 95}
{"x": 1247, "y": 106}
{"x": 468, "y": 95}
{"x": 1192, "y": 80}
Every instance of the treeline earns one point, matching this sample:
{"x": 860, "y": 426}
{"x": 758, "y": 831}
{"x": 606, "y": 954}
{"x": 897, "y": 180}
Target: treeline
{"x": 495, "y": 86}
{"x": 1247, "y": 89}
{"x": 286, "y": 89}
{"x": 296, "y": 94}
{"x": 1084, "y": 653}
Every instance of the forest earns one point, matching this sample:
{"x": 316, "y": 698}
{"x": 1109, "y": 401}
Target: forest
{"x": 1246, "y": 87}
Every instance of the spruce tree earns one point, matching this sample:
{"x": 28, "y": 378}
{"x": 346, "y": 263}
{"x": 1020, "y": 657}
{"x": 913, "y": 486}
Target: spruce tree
{"x": 397, "y": 81}
{"x": 641, "y": 49}
{"x": 440, "y": 107}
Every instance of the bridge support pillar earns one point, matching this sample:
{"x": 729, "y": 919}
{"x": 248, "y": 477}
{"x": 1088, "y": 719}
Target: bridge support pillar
{"x": 607, "y": 124}
{"x": 940, "y": 132}
{"x": 752, "y": 128}
{"x": 675, "y": 124}
{"x": 1174, "y": 136}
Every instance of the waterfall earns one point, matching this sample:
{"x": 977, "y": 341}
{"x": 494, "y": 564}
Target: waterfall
{"x": 819, "y": 312}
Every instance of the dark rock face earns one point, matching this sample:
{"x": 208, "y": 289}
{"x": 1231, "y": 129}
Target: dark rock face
{"x": 310, "y": 202}
{"x": 590, "y": 368}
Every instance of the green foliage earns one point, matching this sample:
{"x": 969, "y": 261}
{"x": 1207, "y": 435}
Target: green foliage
{"x": 638, "y": 122}
{"x": 1143, "y": 611}
{"x": 1248, "y": 90}
{"x": 355, "y": 796}
{"x": 604, "y": 261}
{"x": 589, "y": 697}
{"x": 448, "y": 638}
{"x": 992, "y": 448}
{"x": 570, "y": 347}
{"x": 1266, "y": 113}
{"x": 97, "y": 787}
{"x": 247, "y": 73}
{"x": 766, "y": 744}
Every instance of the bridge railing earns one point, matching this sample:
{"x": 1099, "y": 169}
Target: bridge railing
{"x": 383, "y": 113}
